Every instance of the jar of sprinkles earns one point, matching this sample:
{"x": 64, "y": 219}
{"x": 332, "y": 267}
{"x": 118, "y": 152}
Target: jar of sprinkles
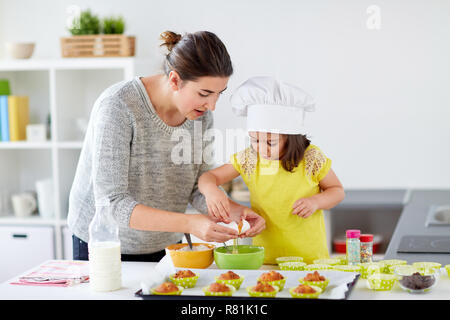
{"x": 353, "y": 247}
{"x": 366, "y": 247}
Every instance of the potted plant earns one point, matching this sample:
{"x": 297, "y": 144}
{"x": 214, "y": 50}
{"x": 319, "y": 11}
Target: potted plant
{"x": 95, "y": 37}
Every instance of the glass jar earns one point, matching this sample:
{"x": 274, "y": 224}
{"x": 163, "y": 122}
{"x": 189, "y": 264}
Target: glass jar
{"x": 105, "y": 269}
{"x": 353, "y": 247}
{"x": 366, "y": 247}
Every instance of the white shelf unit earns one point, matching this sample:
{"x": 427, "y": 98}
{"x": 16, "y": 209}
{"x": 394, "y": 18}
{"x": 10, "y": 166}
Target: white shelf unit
{"x": 65, "y": 89}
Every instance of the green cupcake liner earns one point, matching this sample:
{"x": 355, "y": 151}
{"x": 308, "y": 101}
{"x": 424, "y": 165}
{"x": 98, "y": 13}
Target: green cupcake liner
{"x": 175, "y": 293}
{"x": 321, "y": 284}
{"x": 381, "y": 282}
{"x": 391, "y": 262}
{"x": 330, "y": 261}
{"x": 292, "y": 266}
{"x": 234, "y": 282}
{"x": 315, "y": 266}
{"x": 369, "y": 268}
{"x": 262, "y": 294}
{"x": 347, "y": 268}
{"x": 288, "y": 259}
{"x": 188, "y": 282}
{"x": 342, "y": 259}
{"x": 219, "y": 294}
{"x": 447, "y": 268}
{"x": 306, "y": 295}
{"x": 427, "y": 267}
{"x": 279, "y": 283}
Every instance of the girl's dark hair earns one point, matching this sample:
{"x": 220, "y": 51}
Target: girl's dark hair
{"x": 293, "y": 151}
{"x": 196, "y": 55}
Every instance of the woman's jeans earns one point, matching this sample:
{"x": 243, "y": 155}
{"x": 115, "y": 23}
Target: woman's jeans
{"x": 80, "y": 252}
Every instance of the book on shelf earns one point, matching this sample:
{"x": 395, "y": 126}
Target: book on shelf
{"x": 19, "y": 117}
{"x": 4, "y": 118}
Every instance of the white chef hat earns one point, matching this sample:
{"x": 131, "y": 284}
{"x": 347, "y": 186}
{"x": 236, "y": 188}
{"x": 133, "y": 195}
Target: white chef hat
{"x": 272, "y": 106}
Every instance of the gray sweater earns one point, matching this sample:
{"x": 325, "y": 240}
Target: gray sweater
{"x": 126, "y": 157}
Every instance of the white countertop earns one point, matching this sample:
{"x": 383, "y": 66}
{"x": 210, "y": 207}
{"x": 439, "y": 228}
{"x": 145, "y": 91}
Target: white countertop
{"x": 133, "y": 272}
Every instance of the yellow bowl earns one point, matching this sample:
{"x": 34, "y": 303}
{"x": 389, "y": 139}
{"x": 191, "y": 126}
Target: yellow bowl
{"x": 191, "y": 259}
{"x": 306, "y": 295}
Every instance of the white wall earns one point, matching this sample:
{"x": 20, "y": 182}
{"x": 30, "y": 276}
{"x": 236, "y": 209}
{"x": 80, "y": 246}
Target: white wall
{"x": 383, "y": 98}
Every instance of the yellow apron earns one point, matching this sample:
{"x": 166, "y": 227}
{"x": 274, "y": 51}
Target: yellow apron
{"x": 273, "y": 191}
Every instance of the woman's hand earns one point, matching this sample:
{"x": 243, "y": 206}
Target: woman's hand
{"x": 256, "y": 222}
{"x": 218, "y": 204}
{"x": 206, "y": 228}
{"x": 305, "y": 207}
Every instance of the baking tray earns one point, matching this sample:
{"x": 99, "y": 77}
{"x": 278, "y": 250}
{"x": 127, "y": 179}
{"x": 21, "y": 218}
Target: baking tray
{"x": 290, "y": 277}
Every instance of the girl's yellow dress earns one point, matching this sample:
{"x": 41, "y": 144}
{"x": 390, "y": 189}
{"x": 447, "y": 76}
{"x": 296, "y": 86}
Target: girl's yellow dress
{"x": 273, "y": 191}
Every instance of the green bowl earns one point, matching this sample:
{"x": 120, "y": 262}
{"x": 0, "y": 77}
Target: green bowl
{"x": 234, "y": 282}
{"x": 306, "y": 295}
{"x": 381, "y": 281}
{"x": 292, "y": 266}
{"x": 248, "y": 257}
{"x": 257, "y": 294}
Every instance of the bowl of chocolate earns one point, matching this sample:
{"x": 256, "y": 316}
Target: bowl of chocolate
{"x": 413, "y": 280}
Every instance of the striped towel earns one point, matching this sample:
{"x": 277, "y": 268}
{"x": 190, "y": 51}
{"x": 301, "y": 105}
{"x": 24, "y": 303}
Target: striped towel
{"x": 56, "y": 273}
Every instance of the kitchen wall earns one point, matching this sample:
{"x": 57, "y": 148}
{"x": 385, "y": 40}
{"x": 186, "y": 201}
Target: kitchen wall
{"x": 381, "y": 85}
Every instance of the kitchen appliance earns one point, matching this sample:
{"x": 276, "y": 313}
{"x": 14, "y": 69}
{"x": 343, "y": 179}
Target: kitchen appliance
{"x": 424, "y": 244}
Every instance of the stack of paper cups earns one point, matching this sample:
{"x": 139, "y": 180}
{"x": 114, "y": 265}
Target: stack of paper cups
{"x": 105, "y": 268}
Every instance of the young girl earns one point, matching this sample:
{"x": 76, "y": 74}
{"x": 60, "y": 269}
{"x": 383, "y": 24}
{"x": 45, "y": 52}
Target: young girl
{"x": 290, "y": 180}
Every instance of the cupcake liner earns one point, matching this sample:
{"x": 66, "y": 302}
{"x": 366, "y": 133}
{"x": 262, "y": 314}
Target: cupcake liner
{"x": 219, "y": 294}
{"x": 447, "y": 268}
{"x": 292, "y": 266}
{"x": 347, "y": 268}
{"x": 306, "y": 295}
{"x": 315, "y": 266}
{"x": 330, "y": 261}
{"x": 234, "y": 282}
{"x": 288, "y": 259}
{"x": 321, "y": 284}
{"x": 392, "y": 262}
{"x": 175, "y": 293}
{"x": 369, "y": 268}
{"x": 279, "y": 283}
{"x": 187, "y": 282}
{"x": 262, "y": 294}
{"x": 427, "y": 267}
{"x": 381, "y": 282}
{"x": 342, "y": 259}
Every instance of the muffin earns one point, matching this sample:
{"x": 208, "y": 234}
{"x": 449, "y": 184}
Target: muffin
{"x": 305, "y": 291}
{"x": 315, "y": 279}
{"x": 230, "y": 278}
{"x": 262, "y": 290}
{"x": 167, "y": 288}
{"x": 273, "y": 278}
{"x": 184, "y": 278}
{"x": 219, "y": 289}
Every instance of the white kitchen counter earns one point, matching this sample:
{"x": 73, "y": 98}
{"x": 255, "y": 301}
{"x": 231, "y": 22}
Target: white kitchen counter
{"x": 133, "y": 272}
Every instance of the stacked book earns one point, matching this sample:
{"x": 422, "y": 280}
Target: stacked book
{"x": 14, "y": 117}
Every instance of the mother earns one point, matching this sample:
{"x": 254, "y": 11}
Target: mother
{"x": 126, "y": 156}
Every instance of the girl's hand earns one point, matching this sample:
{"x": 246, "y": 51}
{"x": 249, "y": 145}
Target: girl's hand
{"x": 256, "y": 222}
{"x": 305, "y": 207}
{"x": 206, "y": 228}
{"x": 218, "y": 205}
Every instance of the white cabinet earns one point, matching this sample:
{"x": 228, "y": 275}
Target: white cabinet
{"x": 22, "y": 248}
{"x": 67, "y": 244}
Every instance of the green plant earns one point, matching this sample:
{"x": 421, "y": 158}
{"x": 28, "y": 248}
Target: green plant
{"x": 86, "y": 23}
{"x": 112, "y": 25}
